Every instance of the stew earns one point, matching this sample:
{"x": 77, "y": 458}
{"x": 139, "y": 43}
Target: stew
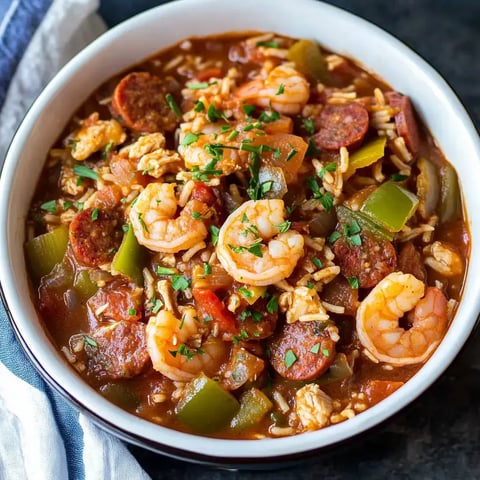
{"x": 246, "y": 236}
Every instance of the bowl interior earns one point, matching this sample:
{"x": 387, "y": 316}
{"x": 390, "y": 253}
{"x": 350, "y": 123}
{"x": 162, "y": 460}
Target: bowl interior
{"x": 144, "y": 35}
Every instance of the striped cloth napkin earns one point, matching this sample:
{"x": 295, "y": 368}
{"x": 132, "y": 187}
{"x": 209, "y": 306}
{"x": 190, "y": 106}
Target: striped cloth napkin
{"x": 42, "y": 437}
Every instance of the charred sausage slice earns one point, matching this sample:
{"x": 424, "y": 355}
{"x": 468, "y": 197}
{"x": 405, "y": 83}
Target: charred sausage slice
{"x": 95, "y": 236}
{"x": 118, "y": 350}
{"x": 301, "y": 351}
{"x": 405, "y": 120}
{"x": 369, "y": 262}
{"x": 342, "y": 126}
{"x": 139, "y": 101}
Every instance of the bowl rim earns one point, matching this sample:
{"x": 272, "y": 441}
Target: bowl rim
{"x": 189, "y": 444}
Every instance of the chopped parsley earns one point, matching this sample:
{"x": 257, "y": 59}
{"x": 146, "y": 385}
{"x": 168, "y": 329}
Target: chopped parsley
{"x": 50, "y": 206}
{"x": 284, "y": 226}
{"x": 132, "y": 311}
{"x": 272, "y": 304}
{"x": 266, "y": 117}
{"x": 207, "y": 269}
{"x": 291, "y": 154}
{"x": 199, "y": 106}
{"x": 255, "y": 248}
{"x": 397, "y": 177}
{"x": 214, "y": 231}
{"x": 196, "y": 215}
{"x": 90, "y": 341}
{"x": 200, "y": 85}
{"x": 157, "y": 306}
{"x": 180, "y": 282}
{"x": 246, "y": 293}
{"x": 330, "y": 167}
{"x": 326, "y": 352}
{"x": 189, "y": 138}
{"x": 309, "y": 126}
{"x": 165, "y": 271}
{"x": 173, "y": 105}
{"x": 353, "y": 281}
{"x": 85, "y": 172}
{"x": 281, "y": 89}
{"x": 315, "y": 349}
{"x": 213, "y": 114}
{"x": 268, "y": 44}
{"x": 95, "y": 212}
{"x": 290, "y": 358}
{"x": 334, "y": 237}
{"x": 107, "y": 149}
{"x": 317, "y": 262}
{"x": 249, "y": 109}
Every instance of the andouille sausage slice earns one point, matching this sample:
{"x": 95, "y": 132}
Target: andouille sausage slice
{"x": 405, "y": 120}
{"x": 117, "y": 350}
{"x": 301, "y": 351}
{"x": 342, "y": 126}
{"x": 139, "y": 101}
{"x": 369, "y": 262}
{"x": 95, "y": 235}
{"x": 410, "y": 261}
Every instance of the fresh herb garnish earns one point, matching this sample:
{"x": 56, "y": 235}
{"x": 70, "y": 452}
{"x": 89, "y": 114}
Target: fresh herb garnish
{"x": 207, "y": 269}
{"x": 90, "y": 341}
{"x": 281, "y": 89}
{"x": 214, "y": 231}
{"x": 268, "y": 44}
{"x": 180, "y": 282}
{"x": 353, "y": 281}
{"x": 284, "y": 226}
{"x": 189, "y": 138}
{"x": 317, "y": 262}
{"x": 290, "y": 358}
{"x": 50, "y": 206}
{"x": 334, "y": 237}
{"x": 213, "y": 114}
{"x": 165, "y": 271}
{"x": 157, "y": 306}
{"x": 309, "y": 126}
{"x": 199, "y": 106}
{"x": 95, "y": 212}
{"x": 331, "y": 167}
{"x": 315, "y": 349}
{"x": 85, "y": 172}
{"x": 173, "y": 105}
{"x": 272, "y": 304}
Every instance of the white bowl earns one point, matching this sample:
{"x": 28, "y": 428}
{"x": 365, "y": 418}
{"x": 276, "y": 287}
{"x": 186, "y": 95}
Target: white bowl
{"x": 144, "y": 35}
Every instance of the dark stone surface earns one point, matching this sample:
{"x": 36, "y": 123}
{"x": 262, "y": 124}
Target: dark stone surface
{"x": 438, "y": 436}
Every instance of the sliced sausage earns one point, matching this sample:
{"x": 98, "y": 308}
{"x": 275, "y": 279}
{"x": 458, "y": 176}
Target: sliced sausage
{"x": 410, "y": 261}
{"x": 119, "y": 300}
{"x": 342, "y": 126}
{"x": 118, "y": 350}
{"x": 405, "y": 120}
{"x": 369, "y": 262}
{"x": 95, "y": 235}
{"x": 125, "y": 170}
{"x": 139, "y": 101}
{"x": 340, "y": 292}
{"x": 256, "y": 322}
{"x": 301, "y": 351}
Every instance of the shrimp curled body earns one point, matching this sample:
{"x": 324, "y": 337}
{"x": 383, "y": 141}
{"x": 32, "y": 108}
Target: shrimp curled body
{"x": 156, "y": 225}
{"x": 251, "y": 246}
{"x": 379, "y": 313}
{"x": 284, "y": 90}
{"x": 176, "y": 349}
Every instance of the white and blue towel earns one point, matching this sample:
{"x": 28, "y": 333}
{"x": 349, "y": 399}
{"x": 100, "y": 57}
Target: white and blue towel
{"x": 41, "y": 436}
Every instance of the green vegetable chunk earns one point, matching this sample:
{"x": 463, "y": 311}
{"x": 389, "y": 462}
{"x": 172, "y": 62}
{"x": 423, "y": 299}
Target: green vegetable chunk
{"x": 206, "y": 407}
{"x": 254, "y": 405}
{"x": 130, "y": 258}
{"x": 347, "y": 217}
{"x": 339, "y": 370}
{"x": 309, "y": 60}
{"x": 450, "y": 205}
{"x": 45, "y": 251}
{"x": 366, "y": 155}
{"x": 120, "y": 394}
{"x": 84, "y": 285}
{"x": 391, "y": 205}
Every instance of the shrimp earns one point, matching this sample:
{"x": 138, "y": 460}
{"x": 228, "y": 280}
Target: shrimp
{"x": 241, "y": 246}
{"x": 285, "y": 90}
{"x": 154, "y": 225}
{"x": 176, "y": 349}
{"x": 379, "y": 313}
{"x": 443, "y": 258}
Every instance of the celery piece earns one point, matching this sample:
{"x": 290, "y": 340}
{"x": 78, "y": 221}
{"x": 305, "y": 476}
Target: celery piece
{"x": 45, "y": 251}
{"x": 254, "y": 405}
{"x": 205, "y": 406}
{"x": 84, "y": 285}
{"x": 391, "y": 205}
{"x": 130, "y": 258}
{"x": 366, "y": 155}
{"x": 450, "y": 204}
{"x": 308, "y": 58}
{"x": 347, "y": 216}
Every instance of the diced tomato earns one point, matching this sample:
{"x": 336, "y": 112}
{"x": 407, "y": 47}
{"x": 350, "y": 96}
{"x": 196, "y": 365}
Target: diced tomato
{"x": 208, "y": 73}
{"x": 214, "y": 309}
{"x": 378, "y": 390}
{"x": 203, "y": 193}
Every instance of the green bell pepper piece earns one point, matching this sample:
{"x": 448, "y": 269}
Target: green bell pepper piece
{"x": 84, "y": 285}
{"x": 46, "y": 251}
{"x": 390, "y": 205}
{"x": 130, "y": 258}
{"x": 450, "y": 204}
{"x": 206, "y": 407}
{"x": 366, "y": 155}
{"x": 308, "y": 58}
{"x": 254, "y": 405}
{"x": 346, "y": 216}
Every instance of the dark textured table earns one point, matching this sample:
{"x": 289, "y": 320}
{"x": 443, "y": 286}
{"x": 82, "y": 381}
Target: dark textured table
{"x": 438, "y": 436}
